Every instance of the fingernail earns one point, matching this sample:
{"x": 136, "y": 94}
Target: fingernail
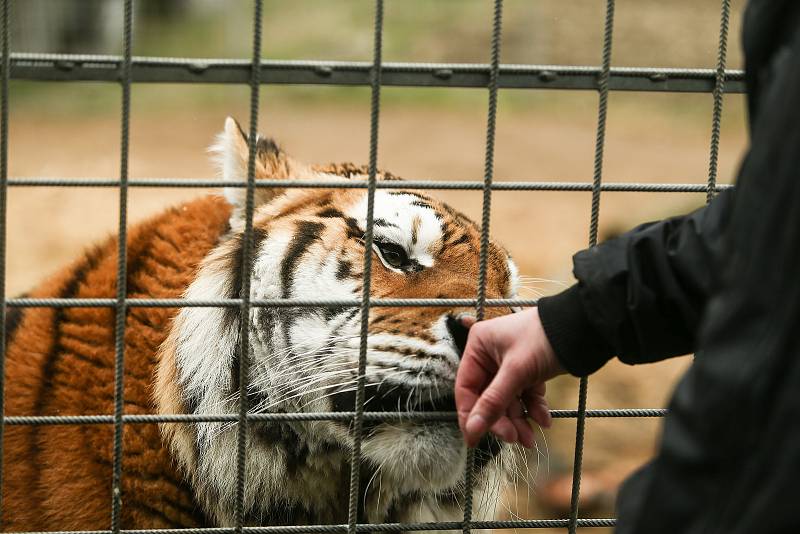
{"x": 506, "y": 436}
{"x": 466, "y": 319}
{"x": 526, "y": 441}
{"x": 548, "y": 418}
{"x": 543, "y": 417}
{"x": 476, "y": 425}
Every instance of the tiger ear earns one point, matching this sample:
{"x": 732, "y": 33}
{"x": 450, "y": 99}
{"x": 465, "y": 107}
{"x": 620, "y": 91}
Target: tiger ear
{"x": 230, "y": 153}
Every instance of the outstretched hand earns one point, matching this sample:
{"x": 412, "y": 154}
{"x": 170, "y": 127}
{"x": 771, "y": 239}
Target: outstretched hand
{"x": 501, "y": 378}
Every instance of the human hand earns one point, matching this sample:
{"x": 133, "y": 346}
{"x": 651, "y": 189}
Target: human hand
{"x": 502, "y": 374}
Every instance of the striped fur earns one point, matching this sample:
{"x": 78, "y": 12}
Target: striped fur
{"x": 307, "y": 245}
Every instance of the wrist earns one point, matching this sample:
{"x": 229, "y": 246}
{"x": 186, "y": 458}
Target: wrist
{"x": 551, "y": 365}
{"x": 577, "y": 345}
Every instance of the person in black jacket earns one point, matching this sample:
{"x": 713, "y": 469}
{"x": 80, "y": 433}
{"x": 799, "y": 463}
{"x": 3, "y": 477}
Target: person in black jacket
{"x": 723, "y": 282}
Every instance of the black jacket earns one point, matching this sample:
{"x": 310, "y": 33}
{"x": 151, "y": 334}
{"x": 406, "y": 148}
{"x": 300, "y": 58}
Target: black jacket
{"x": 723, "y": 282}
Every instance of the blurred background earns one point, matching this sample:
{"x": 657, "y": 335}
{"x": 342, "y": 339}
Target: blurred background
{"x": 71, "y": 130}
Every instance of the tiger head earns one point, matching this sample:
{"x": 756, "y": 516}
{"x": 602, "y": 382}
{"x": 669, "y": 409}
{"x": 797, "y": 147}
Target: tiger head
{"x": 309, "y": 244}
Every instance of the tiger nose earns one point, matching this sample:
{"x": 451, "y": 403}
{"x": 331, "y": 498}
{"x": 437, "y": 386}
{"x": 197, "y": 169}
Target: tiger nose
{"x": 458, "y": 332}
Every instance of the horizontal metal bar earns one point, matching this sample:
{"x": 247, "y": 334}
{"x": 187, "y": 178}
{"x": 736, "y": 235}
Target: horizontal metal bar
{"x": 364, "y": 528}
{"x": 21, "y": 420}
{"x": 107, "y": 68}
{"x": 225, "y": 418}
{"x": 362, "y": 184}
{"x": 263, "y": 303}
{"x": 614, "y": 413}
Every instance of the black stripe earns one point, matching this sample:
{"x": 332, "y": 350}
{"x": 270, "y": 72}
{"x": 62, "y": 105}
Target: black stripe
{"x": 13, "y": 319}
{"x": 232, "y": 316}
{"x": 267, "y": 145}
{"x": 69, "y": 291}
{"x": 330, "y": 213}
{"x": 332, "y": 311}
{"x": 307, "y": 233}
{"x": 463, "y": 239}
{"x": 353, "y": 230}
{"x": 282, "y": 435}
{"x": 384, "y": 223}
{"x": 422, "y": 204}
{"x": 237, "y": 257}
{"x": 344, "y": 269}
{"x": 460, "y": 217}
{"x": 406, "y": 193}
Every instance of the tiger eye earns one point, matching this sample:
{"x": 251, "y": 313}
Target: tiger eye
{"x": 393, "y": 254}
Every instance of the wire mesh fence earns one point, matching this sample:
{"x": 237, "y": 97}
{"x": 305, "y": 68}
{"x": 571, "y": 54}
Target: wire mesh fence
{"x": 127, "y": 70}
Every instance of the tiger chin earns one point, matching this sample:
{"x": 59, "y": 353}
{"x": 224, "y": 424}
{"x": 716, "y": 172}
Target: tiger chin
{"x": 308, "y": 244}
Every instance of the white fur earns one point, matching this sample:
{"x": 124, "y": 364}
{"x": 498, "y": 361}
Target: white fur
{"x": 225, "y": 153}
{"x": 398, "y": 210}
{"x": 513, "y": 279}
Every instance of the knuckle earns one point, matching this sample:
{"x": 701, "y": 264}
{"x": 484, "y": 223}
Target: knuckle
{"x": 478, "y": 330}
{"x": 494, "y": 400}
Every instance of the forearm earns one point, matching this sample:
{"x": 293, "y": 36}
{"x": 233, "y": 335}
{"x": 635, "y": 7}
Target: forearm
{"x": 641, "y": 295}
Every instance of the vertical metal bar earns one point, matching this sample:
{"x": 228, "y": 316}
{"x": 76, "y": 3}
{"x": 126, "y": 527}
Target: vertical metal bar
{"x": 358, "y": 420}
{"x": 719, "y": 91}
{"x": 122, "y": 275}
{"x": 4, "y": 28}
{"x": 247, "y": 263}
{"x": 488, "y": 175}
{"x": 602, "y": 111}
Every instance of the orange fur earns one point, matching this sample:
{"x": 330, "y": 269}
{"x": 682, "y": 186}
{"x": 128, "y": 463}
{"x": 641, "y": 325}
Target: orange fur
{"x": 61, "y": 362}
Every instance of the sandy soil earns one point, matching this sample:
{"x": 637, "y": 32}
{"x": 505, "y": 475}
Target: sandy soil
{"x": 49, "y": 226}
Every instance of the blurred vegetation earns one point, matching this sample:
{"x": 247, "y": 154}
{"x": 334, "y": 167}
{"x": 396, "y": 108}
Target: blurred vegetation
{"x": 679, "y": 33}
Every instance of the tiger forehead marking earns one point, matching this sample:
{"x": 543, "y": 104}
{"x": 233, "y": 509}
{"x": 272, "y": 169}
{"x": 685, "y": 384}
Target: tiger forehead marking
{"x": 309, "y": 244}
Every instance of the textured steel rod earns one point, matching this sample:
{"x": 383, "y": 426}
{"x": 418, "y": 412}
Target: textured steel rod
{"x": 363, "y": 184}
{"x": 25, "y": 420}
{"x": 247, "y": 265}
{"x": 360, "y": 528}
{"x": 4, "y": 29}
{"x": 486, "y": 211}
{"x": 263, "y": 303}
{"x": 122, "y": 269}
{"x": 73, "y": 67}
{"x": 719, "y": 93}
{"x": 602, "y": 112}
{"x": 366, "y": 283}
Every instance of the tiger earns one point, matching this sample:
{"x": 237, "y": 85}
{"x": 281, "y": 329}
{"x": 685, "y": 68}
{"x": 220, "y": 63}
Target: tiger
{"x": 308, "y": 243}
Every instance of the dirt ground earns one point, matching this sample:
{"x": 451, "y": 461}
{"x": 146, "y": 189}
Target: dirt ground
{"x": 49, "y": 226}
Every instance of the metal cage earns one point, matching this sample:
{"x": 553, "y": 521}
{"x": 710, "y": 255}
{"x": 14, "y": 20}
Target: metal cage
{"x": 127, "y": 70}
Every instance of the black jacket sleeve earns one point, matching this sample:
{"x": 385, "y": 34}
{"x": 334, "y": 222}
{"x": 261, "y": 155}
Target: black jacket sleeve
{"x": 639, "y": 296}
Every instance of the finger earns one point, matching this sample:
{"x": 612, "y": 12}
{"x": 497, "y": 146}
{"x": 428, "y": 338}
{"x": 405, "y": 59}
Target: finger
{"x": 525, "y": 432}
{"x": 467, "y": 319}
{"x": 537, "y": 407}
{"x": 520, "y": 421}
{"x": 474, "y": 373}
{"x": 504, "y": 429}
{"x": 494, "y": 401}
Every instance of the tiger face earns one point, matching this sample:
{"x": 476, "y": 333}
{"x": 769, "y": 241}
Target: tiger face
{"x": 309, "y": 244}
